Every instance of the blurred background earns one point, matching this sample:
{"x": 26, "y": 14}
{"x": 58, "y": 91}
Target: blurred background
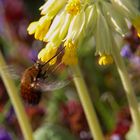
{"x": 59, "y": 114}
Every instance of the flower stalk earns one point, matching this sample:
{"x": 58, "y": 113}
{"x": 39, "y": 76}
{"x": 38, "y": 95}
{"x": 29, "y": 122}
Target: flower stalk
{"x": 16, "y": 102}
{"x": 132, "y": 101}
{"x": 87, "y": 103}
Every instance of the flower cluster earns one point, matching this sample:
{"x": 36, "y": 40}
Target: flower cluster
{"x": 69, "y": 21}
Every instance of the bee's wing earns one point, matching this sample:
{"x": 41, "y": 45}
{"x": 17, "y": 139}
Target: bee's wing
{"x": 51, "y": 86}
{"x": 12, "y": 71}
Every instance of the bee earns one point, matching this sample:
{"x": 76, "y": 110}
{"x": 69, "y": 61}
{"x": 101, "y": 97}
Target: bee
{"x": 30, "y": 88}
{"x": 34, "y": 81}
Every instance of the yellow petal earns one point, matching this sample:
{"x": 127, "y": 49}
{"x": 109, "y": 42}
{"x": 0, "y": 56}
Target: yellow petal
{"x": 42, "y": 29}
{"x": 46, "y": 54}
{"x": 70, "y": 55}
{"x": 32, "y": 27}
{"x": 105, "y": 59}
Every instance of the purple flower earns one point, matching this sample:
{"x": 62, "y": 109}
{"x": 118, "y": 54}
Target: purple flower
{"x": 33, "y": 55}
{"x": 135, "y": 60}
{"x": 126, "y": 51}
{"x": 4, "y": 135}
{"x": 10, "y": 116}
{"x": 115, "y": 137}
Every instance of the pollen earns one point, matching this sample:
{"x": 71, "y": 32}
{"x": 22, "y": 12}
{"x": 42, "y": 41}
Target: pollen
{"x": 70, "y": 55}
{"x": 105, "y": 59}
{"x": 73, "y": 7}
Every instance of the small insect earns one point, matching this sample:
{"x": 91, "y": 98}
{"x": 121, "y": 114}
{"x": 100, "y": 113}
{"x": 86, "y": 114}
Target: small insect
{"x": 30, "y": 88}
{"x": 34, "y": 81}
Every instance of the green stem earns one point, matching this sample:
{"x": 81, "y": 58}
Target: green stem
{"x": 132, "y": 101}
{"x": 16, "y": 102}
{"x": 87, "y": 104}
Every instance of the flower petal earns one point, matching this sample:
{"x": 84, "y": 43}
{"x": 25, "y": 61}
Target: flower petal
{"x": 115, "y": 20}
{"x": 103, "y": 39}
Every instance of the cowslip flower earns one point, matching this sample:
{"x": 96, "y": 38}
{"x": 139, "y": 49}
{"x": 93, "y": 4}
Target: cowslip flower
{"x": 111, "y": 21}
{"x": 48, "y": 10}
{"x": 60, "y": 24}
{"x": 69, "y": 21}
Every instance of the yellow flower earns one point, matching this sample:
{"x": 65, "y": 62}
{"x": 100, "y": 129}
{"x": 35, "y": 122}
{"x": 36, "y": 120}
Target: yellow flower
{"x": 52, "y": 7}
{"x": 77, "y": 28}
{"x": 70, "y": 55}
{"x": 39, "y": 28}
{"x": 47, "y": 53}
{"x": 73, "y": 7}
{"x": 32, "y": 27}
{"x": 105, "y": 59}
{"x": 49, "y": 10}
{"x": 58, "y": 28}
{"x": 73, "y": 21}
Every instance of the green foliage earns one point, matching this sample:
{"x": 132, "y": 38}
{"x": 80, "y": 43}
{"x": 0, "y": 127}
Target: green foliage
{"x": 53, "y": 107}
{"x": 53, "y": 132}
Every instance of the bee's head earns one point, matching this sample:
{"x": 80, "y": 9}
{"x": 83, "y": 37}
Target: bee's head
{"x": 38, "y": 64}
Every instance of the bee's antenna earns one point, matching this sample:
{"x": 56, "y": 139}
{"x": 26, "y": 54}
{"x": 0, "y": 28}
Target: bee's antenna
{"x": 42, "y": 65}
